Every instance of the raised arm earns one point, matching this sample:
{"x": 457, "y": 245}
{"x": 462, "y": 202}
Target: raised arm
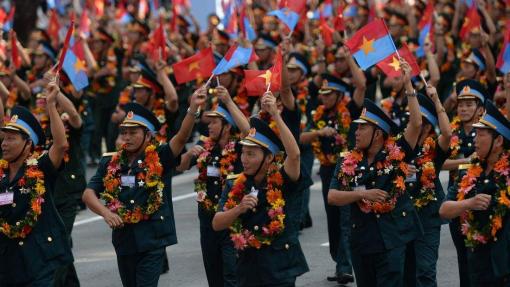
{"x": 171, "y": 101}
{"x": 68, "y": 107}
{"x": 413, "y": 129}
{"x": 358, "y": 78}
{"x": 178, "y": 142}
{"x": 435, "y": 75}
{"x": 292, "y": 160}
{"x": 238, "y": 116}
{"x": 58, "y": 132}
{"x": 444, "y": 122}
{"x": 285, "y": 91}
{"x": 507, "y": 94}
{"x": 490, "y": 69}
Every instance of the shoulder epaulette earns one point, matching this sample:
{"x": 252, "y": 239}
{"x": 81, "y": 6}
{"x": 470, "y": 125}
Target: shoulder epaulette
{"x": 232, "y": 176}
{"x": 107, "y": 154}
{"x": 464, "y": 166}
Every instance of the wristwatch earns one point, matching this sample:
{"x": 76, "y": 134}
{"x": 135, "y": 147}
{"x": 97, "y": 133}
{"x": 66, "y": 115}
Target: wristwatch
{"x": 196, "y": 114}
{"x": 411, "y": 94}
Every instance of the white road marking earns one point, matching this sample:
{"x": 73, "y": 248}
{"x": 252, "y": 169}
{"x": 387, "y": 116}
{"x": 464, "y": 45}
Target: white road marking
{"x": 325, "y": 244}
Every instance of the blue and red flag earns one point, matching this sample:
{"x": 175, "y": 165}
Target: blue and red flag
{"x": 503, "y": 63}
{"x": 371, "y": 44}
{"x": 9, "y": 20}
{"x": 74, "y": 65}
{"x": 289, "y": 12}
{"x": 229, "y": 21}
{"x": 122, "y": 16}
{"x": 426, "y": 27}
{"x": 246, "y": 27}
{"x": 84, "y": 24}
{"x": 236, "y": 56}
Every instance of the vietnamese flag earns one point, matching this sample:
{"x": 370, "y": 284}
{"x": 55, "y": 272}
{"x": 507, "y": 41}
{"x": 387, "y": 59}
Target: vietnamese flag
{"x": 84, "y": 24}
{"x": 339, "y": 22}
{"x": 257, "y": 82}
{"x": 391, "y": 66}
{"x": 471, "y": 22}
{"x": 99, "y": 8}
{"x": 16, "y": 59}
{"x": 53, "y": 27}
{"x": 236, "y": 56}
{"x": 326, "y": 32}
{"x": 196, "y": 67}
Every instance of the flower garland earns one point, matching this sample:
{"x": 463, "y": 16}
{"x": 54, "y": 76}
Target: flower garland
{"x": 241, "y": 236}
{"x": 153, "y": 185}
{"x": 33, "y": 183}
{"x": 393, "y": 162}
{"x": 425, "y": 163}
{"x": 159, "y": 111}
{"x": 228, "y": 158}
{"x": 302, "y": 102}
{"x": 477, "y": 234}
{"x": 342, "y": 126}
{"x": 454, "y": 140}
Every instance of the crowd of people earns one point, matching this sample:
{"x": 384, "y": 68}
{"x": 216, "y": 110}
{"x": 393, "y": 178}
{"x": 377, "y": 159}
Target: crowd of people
{"x": 140, "y": 92}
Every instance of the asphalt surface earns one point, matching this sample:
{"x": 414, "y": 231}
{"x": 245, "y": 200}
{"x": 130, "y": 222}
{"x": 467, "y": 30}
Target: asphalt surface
{"x": 96, "y": 264}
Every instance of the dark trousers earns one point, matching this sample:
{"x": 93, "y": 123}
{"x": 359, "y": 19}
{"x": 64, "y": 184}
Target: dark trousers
{"x": 141, "y": 269}
{"x": 219, "y": 256}
{"x": 307, "y": 158}
{"x": 43, "y": 279}
{"x": 380, "y": 269}
{"x": 338, "y": 219}
{"x": 66, "y": 276}
{"x": 421, "y": 259}
{"x": 458, "y": 241}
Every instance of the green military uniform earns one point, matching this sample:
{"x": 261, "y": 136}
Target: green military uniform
{"x": 378, "y": 240}
{"x": 140, "y": 247}
{"x": 32, "y": 258}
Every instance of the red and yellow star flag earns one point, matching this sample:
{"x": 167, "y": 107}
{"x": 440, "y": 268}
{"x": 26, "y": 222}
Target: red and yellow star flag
{"x": 471, "y": 23}
{"x": 196, "y": 67}
{"x": 257, "y": 82}
{"x": 16, "y": 59}
{"x": 391, "y": 66}
{"x": 54, "y": 28}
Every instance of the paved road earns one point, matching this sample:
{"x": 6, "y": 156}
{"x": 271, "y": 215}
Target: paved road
{"x": 96, "y": 261}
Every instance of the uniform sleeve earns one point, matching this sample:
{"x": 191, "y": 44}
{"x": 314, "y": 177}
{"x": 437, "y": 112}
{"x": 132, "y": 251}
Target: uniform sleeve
{"x": 335, "y": 184}
{"x": 452, "y": 193}
{"x": 441, "y": 156}
{"x": 224, "y": 195}
{"x": 406, "y": 148}
{"x": 354, "y": 110}
{"x": 96, "y": 182}
{"x": 293, "y": 120}
{"x": 289, "y": 184}
{"x": 46, "y": 166}
{"x": 167, "y": 158}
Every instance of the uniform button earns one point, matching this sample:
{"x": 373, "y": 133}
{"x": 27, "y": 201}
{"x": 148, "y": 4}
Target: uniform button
{"x": 17, "y": 223}
{"x": 404, "y": 213}
{"x": 371, "y": 168}
{"x": 50, "y": 239}
{"x": 216, "y": 196}
{"x": 473, "y": 134}
{"x": 373, "y": 183}
{"x": 469, "y": 144}
{"x": 20, "y": 243}
{"x": 216, "y": 182}
{"x": 287, "y": 246}
{"x": 377, "y": 215}
{"x": 256, "y": 227}
{"x": 411, "y": 184}
{"x": 162, "y": 217}
{"x": 332, "y": 144}
{"x": 14, "y": 205}
{"x": 216, "y": 158}
{"x": 353, "y": 225}
{"x": 73, "y": 176}
{"x": 330, "y": 122}
{"x": 132, "y": 201}
{"x": 486, "y": 181}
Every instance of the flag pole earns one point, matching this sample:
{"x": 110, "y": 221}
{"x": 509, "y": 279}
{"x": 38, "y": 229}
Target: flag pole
{"x": 218, "y": 81}
{"x": 424, "y": 81}
{"x": 268, "y": 87}
{"x": 392, "y": 42}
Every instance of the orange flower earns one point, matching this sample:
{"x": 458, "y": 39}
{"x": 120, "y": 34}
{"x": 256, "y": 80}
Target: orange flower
{"x": 497, "y": 223}
{"x": 400, "y": 183}
{"x": 273, "y": 195}
{"x": 503, "y": 198}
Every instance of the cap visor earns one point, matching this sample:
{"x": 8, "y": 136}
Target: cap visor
{"x": 480, "y": 125}
{"x": 248, "y": 143}
{"x": 361, "y": 121}
{"x": 213, "y": 114}
{"x": 326, "y": 91}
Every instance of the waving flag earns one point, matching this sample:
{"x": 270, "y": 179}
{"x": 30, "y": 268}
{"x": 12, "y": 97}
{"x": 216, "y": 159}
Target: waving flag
{"x": 54, "y": 28}
{"x": 472, "y": 22}
{"x": 391, "y": 65}
{"x": 246, "y": 27}
{"x": 9, "y": 20}
{"x": 289, "y": 12}
{"x": 339, "y": 19}
{"x": 230, "y": 20}
{"x": 426, "y": 27}
{"x": 121, "y": 15}
{"x": 143, "y": 9}
{"x": 16, "y": 59}
{"x": 157, "y": 43}
{"x": 84, "y": 24}
{"x": 196, "y": 67}
{"x": 503, "y": 63}
{"x": 257, "y": 82}
{"x": 74, "y": 66}
{"x": 236, "y": 56}
{"x": 326, "y": 32}
{"x": 371, "y": 44}
{"x": 99, "y": 8}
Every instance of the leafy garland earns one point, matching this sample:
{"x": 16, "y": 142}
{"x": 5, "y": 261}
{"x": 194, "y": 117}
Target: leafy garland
{"x": 342, "y": 126}
{"x": 475, "y": 233}
{"x": 33, "y": 183}
{"x": 393, "y": 162}
{"x": 153, "y": 185}
{"x": 228, "y": 158}
{"x": 159, "y": 111}
{"x": 241, "y": 236}
{"x": 425, "y": 163}
{"x": 454, "y": 140}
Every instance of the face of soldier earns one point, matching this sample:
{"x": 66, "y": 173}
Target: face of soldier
{"x": 329, "y": 100}
{"x": 133, "y": 37}
{"x": 468, "y": 70}
{"x": 396, "y": 83}
{"x": 134, "y": 76}
{"x": 6, "y": 80}
{"x": 467, "y": 108}
{"x": 295, "y": 76}
{"x": 215, "y": 125}
{"x": 364, "y": 135}
{"x": 142, "y": 96}
{"x": 263, "y": 54}
{"x": 251, "y": 158}
{"x": 483, "y": 141}
{"x": 12, "y": 145}
{"x": 475, "y": 40}
{"x": 341, "y": 65}
{"x": 40, "y": 61}
{"x": 226, "y": 79}
{"x": 132, "y": 137}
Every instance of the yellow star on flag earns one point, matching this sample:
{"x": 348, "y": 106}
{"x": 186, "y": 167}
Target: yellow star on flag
{"x": 267, "y": 75}
{"x": 79, "y": 66}
{"x": 367, "y": 46}
{"x": 395, "y": 64}
{"x": 193, "y": 66}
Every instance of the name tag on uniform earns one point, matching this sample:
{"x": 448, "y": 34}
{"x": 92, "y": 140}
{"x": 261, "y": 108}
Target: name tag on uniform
{"x": 213, "y": 171}
{"x": 127, "y": 180}
{"x": 411, "y": 178}
{"x": 360, "y": 188}
{"x": 6, "y": 198}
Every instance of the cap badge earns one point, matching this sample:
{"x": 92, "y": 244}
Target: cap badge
{"x": 252, "y": 132}
{"x": 14, "y": 118}
{"x": 130, "y": 115}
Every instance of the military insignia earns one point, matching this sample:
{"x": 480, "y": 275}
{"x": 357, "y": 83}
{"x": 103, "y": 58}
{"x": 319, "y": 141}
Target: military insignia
{"x": 466, "y": 89}
{"x": 130, "y": 115}
{"x": 14, "y": 118}
{"x": 364, "y": 112}
{"x": 252, "y": 132}
{"x": 325, "y": 84}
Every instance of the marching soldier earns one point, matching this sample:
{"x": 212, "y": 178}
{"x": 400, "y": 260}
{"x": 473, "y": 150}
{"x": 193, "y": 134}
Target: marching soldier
{"x": 371, "y": 179}
{"x": 217, "y": 157}
{"x": 425, "y": 189}
{"x": 481, "y": 202}
{"x": 33, "y": 239}
{"x": 135, "y": 184}
{"x": 261, "y": 206}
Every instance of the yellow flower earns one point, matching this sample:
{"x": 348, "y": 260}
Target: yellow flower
{"x": 321, "y": 124}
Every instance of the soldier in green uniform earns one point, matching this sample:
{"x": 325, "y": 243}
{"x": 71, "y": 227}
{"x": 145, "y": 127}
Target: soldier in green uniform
{"x": 217, "y": 157}
{"x": 262, "y": 206}
{"x": 135, "y": 184}
{"x": 33, "y": 240}
{"x": 481, "y": 201}
{"x": 371, "y": 178}
{"x": 425, "y": 189}
{"x": 471, "y": 96}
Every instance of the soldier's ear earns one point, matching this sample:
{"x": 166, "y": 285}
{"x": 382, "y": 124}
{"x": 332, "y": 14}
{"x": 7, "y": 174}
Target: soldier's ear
{"x": 499, "y": 141}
